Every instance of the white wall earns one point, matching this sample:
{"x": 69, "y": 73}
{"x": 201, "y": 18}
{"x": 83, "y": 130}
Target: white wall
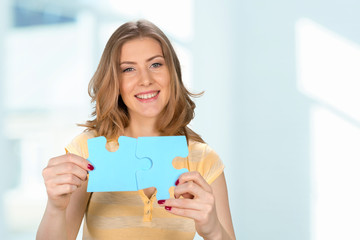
{"x": 4, "y": 25}
{"x": 254, "y": 114}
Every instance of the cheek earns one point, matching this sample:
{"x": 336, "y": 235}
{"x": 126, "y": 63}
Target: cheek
{"x": 125, "y": 88}
{"x": 166, "y": 82}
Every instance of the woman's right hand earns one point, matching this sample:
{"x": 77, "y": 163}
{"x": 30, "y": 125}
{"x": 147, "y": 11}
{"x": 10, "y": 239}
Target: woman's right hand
{"x": 63, "y": 176}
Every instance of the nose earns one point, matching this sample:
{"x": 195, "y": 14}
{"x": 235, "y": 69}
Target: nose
{"x": 145, "y": 78}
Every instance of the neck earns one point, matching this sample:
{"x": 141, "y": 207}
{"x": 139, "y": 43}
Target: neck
{"x": 141, "y": 128}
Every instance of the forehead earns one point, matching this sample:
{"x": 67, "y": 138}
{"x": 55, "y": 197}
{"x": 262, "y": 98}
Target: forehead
{"x": 140, "y": 48}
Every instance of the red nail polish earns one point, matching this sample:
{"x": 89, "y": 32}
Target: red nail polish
{"x": 90, "y": 167}
{"x": 177, "y": 182}
{"x": 161, "y": 201}
{"x": 167, "y": 208}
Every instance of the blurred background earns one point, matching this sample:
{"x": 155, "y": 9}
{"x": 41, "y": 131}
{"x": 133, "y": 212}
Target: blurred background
{"x": 281, "y": 104}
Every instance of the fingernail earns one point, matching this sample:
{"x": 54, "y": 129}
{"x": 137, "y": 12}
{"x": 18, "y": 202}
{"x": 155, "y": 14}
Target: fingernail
{"x": 161, "y": 201}
{"x": 90, "y": 167}
{"x": 167, "y": 208}
{"x": 177, "y": 182}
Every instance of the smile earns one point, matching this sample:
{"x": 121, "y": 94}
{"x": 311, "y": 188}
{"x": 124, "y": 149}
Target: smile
{"x": 146, "y": 96}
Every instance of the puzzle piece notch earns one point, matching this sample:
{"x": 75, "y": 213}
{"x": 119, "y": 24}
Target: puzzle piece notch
{"x": 162, "y": 174}
{"x": 114, "y": 171}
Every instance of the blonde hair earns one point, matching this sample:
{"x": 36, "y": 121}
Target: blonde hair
{"x": 110, "y": 112}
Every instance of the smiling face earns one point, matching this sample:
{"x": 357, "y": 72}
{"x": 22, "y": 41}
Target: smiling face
{"x": 145, "y": 78}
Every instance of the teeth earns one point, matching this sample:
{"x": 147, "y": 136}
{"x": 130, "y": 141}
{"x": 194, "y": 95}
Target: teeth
{"x": 147, "y": 96}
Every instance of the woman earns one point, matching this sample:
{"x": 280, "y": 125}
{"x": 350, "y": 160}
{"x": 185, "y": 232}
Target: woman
{"x": 138, "y": 91}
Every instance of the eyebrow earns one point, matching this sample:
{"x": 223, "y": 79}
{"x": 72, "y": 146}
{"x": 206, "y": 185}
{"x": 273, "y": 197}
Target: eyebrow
{"x": 148, "y": 60}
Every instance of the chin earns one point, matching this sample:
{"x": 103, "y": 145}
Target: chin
{"x": 149, "y": 114}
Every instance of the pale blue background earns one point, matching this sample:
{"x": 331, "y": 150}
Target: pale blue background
{"x": 255, "y": 112}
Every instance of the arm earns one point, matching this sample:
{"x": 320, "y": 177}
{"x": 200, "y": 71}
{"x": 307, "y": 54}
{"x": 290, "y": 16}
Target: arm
{"x": 76, "y": 210}
{"x": 66, "y": 182}
{"x": 222, "y": 206}
{"x": 207, "y": 205}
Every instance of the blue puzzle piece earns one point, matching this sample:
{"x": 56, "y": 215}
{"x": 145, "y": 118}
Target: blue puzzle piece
{"x": 114, "y": 171}
{"x": 162, "y": 174}
{"x": 127, "y": 170}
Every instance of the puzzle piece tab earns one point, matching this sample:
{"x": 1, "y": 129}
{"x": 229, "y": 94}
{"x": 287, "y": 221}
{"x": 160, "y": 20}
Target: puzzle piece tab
{"x": 137, "y": 164}
{"x": 162, "y": 174}
{"x": 114, "y": 171}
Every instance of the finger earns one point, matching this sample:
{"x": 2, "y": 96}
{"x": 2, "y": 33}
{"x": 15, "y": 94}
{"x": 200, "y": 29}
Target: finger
{"x": 195, "y": 177}
{"x": 66, "y": 179}
{"x": 69, "y": 157}
{"x": 65, "y": 168}
{"x": 182, "y": 203}
{"x": 70, "y": 168}
{"x": 189, "y": 213}
{"x": 189, "y": 188}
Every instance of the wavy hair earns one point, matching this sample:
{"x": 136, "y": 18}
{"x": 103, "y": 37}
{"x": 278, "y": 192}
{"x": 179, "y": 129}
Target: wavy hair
{"x": 110, "y": 113}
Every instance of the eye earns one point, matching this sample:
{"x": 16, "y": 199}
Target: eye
{"x": 156, "y": 65}
{"x": 128, "y": 70}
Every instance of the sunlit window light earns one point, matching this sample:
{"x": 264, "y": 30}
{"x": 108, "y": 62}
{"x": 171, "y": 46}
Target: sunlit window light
{"x": 328, "y": 74}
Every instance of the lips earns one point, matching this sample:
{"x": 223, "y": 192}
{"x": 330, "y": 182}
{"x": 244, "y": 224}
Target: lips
{"x": 146, "y": 96}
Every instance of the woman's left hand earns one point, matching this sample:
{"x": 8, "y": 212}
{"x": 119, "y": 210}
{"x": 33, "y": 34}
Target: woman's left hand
{"x": 197, "y": 202}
